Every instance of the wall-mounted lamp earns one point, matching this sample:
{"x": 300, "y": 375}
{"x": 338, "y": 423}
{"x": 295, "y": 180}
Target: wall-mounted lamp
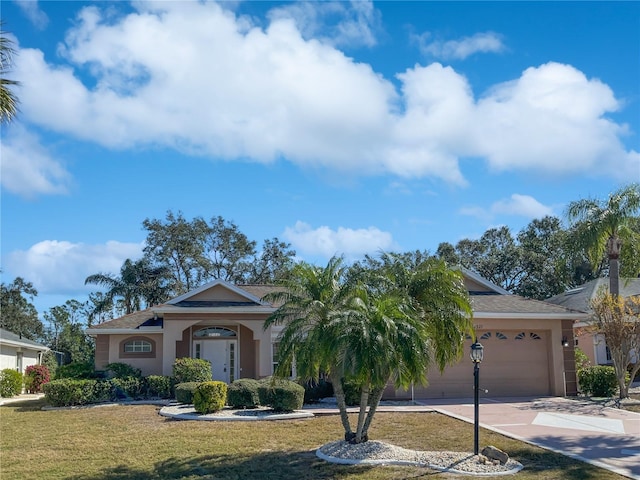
{"x": 565, "y": 342}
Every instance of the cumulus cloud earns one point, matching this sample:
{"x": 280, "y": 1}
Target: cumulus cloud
{"x": 335, "y": 23}
{"x": 325, "y": 242}
{"x": 27, "y": 168}
{"x": 483, "y": 42}
{"x": 58, "y": 266}
{"x": 517, "y": 205}
{"x": 32, "y": 11}
{"x": 197, "y": 78}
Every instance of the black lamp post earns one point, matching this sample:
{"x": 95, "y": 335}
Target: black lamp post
{"x": 477, "y": 351}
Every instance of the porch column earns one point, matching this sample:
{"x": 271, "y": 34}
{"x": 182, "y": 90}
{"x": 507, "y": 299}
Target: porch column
{"x": 172, "y": 333}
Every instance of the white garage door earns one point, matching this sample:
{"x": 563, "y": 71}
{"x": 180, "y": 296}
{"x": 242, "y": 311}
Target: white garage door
{"x": 516, "y": 363}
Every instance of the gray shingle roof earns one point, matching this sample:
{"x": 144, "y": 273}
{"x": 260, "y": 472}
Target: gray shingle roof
{"x": 132, "y": 320}
{"x": 580, "y": 298}
{"x": 12, "y": 337}
{"x": 516, "y": 305}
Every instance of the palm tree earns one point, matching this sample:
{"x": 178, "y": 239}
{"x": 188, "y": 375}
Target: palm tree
{"x": 370, "y": 327}
{"x": 602, "y": 227}
{"x": 138, "y": 284}
{"x": 8, "y": 100}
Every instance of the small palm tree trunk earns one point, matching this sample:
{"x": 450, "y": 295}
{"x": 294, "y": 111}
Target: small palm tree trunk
{"x": 364, "y": 402}
{"x": 342, "y": 406}
{"x": 374, "y": 401}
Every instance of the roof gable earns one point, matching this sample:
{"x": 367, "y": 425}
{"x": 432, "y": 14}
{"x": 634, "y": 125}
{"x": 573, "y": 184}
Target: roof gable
{"x": 217, "y": 291}
{"x": 579, "y": 298}
{"x": 10, "y": 338}
{"x": 476, "y": 283}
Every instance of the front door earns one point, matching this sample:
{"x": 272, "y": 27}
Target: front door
{"x": 222, "y": 355}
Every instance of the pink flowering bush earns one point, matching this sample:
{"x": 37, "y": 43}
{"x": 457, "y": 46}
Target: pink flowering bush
{"x": 35, "y": 376}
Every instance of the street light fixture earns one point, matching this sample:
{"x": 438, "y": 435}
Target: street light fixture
{"x": 477, "y": 353}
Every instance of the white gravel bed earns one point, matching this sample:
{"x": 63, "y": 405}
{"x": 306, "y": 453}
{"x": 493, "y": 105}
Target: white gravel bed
{"x": 380, "y": 453}
{"x": 187, "y": 412}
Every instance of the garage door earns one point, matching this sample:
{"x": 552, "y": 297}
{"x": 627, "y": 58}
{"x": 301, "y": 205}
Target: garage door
{"x": 516, "y": 363}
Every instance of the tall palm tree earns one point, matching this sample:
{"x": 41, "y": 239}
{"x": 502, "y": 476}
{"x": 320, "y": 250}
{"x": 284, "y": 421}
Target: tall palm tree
{"x": 370, "y": 327}
{"x": 603, "y": 225}
{"x": 8, "y": 100}
{"x": 138, "y": 284}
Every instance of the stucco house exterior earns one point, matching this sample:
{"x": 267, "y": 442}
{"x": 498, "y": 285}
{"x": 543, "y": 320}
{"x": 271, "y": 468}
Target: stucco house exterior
{"x": 579, "y": 298}
{"x": 524, "y": 340}
{"x": 17, "y": 353}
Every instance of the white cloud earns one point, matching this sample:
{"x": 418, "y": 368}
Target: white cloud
{"x": 325, "y": 242}
{"x": 199, "y": 79}
{"x": 483, "y": 42}
{"x": 334, "y": 23}
{"x": 517, "y": 205}
{"x": 37, "y": 17}
{"x": 55, "y": 266}
{"x": 27, "y": 168}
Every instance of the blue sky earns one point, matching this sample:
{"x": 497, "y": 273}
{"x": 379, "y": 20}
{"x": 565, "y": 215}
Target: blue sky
{"x": 341, "y": 128}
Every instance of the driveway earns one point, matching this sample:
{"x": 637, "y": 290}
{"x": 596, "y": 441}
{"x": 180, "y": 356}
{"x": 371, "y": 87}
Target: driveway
{"x": 603, "y": 436}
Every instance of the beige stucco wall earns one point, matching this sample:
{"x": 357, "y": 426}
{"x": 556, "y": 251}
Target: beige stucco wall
{"x": 148, "y": 366}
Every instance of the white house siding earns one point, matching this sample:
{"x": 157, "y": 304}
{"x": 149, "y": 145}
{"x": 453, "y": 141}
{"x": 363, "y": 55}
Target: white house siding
{"x": 8, "y": 355}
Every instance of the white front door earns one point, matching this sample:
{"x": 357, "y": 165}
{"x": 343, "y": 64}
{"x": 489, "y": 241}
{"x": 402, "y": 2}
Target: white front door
{"x": 223, "y": 357}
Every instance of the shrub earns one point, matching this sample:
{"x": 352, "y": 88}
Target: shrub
{"x": 315, "y": 390}
{"x": 159, "y": 386}
{"x": 191, "y": 370}
{"x": 281, "y": 395}
{"x": 35, "y": 376}
{"x": 77, "y": 370}
{"x": 123, "y": 370}
{"x": 352, "y": 392}
{"x": 598, "y": 381}
{"x": 49, "y": 359}
{"x": 67, "y": 392}
{"x": 10, "y": 383}
{"x": 582, "y": 361}
{"x": 209, "y": 397}
{"x": 243, "y": 393}
{"x": 184, "y": 391}
{"x": 132, "y": 387}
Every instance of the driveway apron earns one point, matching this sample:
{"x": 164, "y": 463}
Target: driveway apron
{"x": 603, "y": 436}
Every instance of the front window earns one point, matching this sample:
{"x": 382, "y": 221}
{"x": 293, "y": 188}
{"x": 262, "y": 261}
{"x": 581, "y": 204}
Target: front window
{"x": 138, "y": 346}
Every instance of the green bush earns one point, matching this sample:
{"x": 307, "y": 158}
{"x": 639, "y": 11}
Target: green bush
{"x": 243, "y": 393}
{"x": 123, "y": 370}
{"x": 352, "y": 392}
{"x": 67, "y": 392}
{"x": 598, "y": 381}
{"x": 209, "y": 397}
{"x": 191, "y": 370}
{"x": 49, "y": 359}
{"x": 77, "y": 370}
{"x": 129, "y": 387}
{"x": 184, "y": 391}
{"x": 281, "y": 395}
{"x": 35, "y": 376}
{"x": 315, "y": 390}
{"x": 159, "y": 386}
{"x": 10, "y": 383}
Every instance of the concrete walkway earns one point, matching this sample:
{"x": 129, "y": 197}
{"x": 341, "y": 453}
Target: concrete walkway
{"x": 606, "y": 437}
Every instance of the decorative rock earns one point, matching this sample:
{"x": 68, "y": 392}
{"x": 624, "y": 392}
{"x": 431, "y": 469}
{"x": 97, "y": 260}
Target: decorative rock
{"x": 482, "y": 460}
{"x": 495, "y": 454}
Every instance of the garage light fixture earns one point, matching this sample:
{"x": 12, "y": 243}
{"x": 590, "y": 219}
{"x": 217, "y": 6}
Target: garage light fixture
{"x": 565, "y": 342}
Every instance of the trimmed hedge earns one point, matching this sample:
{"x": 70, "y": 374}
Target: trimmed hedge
{"x": 243, "y": 393}
{"x": 10, "y": 383}
{"x": 209, "y": 397}
{"x": 35, "y": 376}
{"x": 184, "y": 391}
{"x": 191, "y": 370}
{"x": 123, "y": 370}
{"x": 77, "y": 370}
{"x": 129, "y": 387}
{"x": 281, "y": 395}
{"x": 159, "y": 386}
{"x": 598, "y": 381}
{"x": 67, "y": 392}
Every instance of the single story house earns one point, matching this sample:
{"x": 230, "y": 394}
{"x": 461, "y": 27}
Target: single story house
{"x": 593, "y": 344}
{"x": 17, "y": 353}
{"x": 528, "y": 343}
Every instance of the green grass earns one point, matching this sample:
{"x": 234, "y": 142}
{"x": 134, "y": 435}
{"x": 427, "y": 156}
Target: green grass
{"x": 134, "y": 442}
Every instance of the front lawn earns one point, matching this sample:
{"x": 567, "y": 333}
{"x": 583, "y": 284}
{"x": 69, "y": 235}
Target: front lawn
{"x": 134, "y": 442}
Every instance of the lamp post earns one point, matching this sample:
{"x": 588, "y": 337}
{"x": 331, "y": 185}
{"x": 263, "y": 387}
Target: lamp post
{"x": 477, "y": 351}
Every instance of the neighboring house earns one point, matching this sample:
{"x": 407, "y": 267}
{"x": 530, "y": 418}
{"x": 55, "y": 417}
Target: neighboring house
{"x": 579, "y": 298}
{"x": 17, "y": 353}
{"x": 223, "y": 323}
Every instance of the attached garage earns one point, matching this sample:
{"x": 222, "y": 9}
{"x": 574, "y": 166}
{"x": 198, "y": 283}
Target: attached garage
{"x": 516, "y": 363}
{"x": 528, "y": 349}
